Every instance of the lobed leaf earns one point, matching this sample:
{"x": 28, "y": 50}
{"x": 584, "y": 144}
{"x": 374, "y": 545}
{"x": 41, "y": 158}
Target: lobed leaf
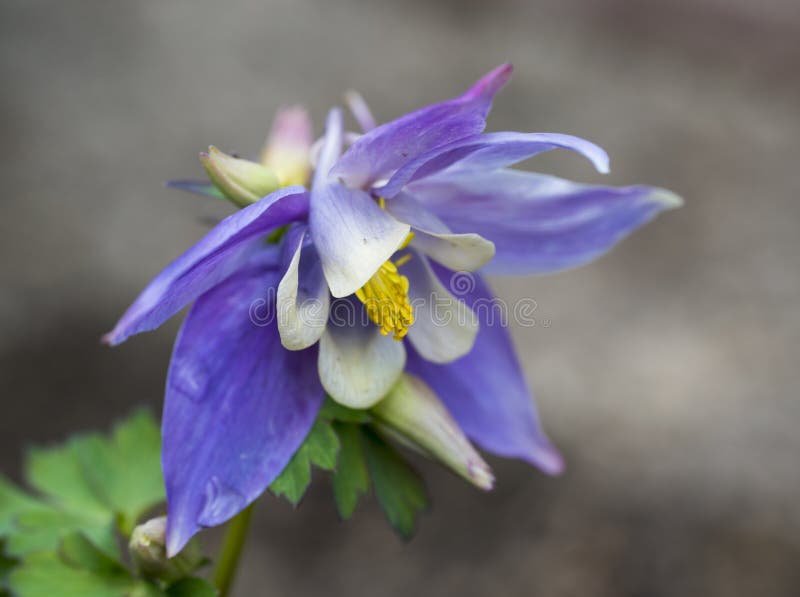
{"x": 91, "y": 483}
{"x": 44, "y": 527}
{"x": 44, "y": 574}
{"x": 79, "y": 552}
{"x": 125, "y": 472}
{"x": 398, "y": 488}
{"x": 320, "y": 448}
{"x": 351, "y": 479}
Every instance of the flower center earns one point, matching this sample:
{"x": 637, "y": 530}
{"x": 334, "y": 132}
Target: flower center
{"x": 385, "y": 296}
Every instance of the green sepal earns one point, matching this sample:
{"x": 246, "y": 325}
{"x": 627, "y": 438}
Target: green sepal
{"x": 276, "y": 236}
{"x": 148, "y": 553}
{"x": 320, "y": 448}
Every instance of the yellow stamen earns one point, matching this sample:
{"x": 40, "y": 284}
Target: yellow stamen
{"x": 406, "y": 242}
{"x": 385, "y": 296}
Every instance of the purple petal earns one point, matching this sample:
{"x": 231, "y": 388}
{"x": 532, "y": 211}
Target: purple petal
{"x": 490, "y": 152}
{"x": 485, "y": 391}
{"x": 540, "y": 224}
{"x": 238, "y": 405}
{"x": 330, "y": 149}
{"x": 215, "y": 257}
{"x": 360, "y": 111}
{"x": 385, "y": 148}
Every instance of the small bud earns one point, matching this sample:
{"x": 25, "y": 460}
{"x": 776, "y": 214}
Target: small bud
{"x": 242, "y": 181}
{"x": 287, "y": 151}
{"x": 412, "y": 413}
{"x": 149, "y": 553}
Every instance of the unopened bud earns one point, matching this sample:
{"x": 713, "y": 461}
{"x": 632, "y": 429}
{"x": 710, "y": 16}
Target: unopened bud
{"x": 149, "y": 553}
{"x": 412, "y": 413}
{"x": 287, "y": 151}
{"x": 242, "y": 181}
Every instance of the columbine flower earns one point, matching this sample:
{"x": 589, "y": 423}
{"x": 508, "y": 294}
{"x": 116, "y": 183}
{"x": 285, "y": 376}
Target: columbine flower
{"x": 383, "y": 229}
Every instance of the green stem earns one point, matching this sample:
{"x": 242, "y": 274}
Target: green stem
{"x": 232, "y": 546}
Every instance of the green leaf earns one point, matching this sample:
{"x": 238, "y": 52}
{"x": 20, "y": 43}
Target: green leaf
{"x": 320, "y": 448}
{"x": 13, "y": 502}
{"x": 44, "y": 574}
{"x": 7, "y": 563}
{"x": 398, "y": 487}
{"x": 93, "y": 474}
{"x": 333, "y": 411}
{"x": 42, "y": 528}
{"x": 351, "y": 479}
{"x": 192, "y": 587}
{"x": 144, "y": 588}
{"x": 126, "y": 471}
{"x": 58, "y": 474}
{"x": 79, "y": 552}
{"x": 90, "y": 484}
{"x": 78, "y": 568}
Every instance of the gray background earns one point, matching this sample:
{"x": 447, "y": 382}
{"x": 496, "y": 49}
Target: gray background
{"x": 669, "y": 371}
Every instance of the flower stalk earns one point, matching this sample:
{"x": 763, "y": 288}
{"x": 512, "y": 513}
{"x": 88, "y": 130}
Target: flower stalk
{"x": 232, "y": 546}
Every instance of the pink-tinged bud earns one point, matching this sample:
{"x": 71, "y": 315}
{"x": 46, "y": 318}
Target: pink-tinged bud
{"x": 287, "y": 151}
{"x": 149, "y": 553}
{"x": 242, "y": 181}
{"x": 412, "y": 413}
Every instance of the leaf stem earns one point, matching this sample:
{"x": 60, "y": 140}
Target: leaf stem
{"x": 232, "y": 546}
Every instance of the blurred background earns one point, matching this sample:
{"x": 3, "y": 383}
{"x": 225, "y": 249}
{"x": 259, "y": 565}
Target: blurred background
{"x": 667, "y": 371}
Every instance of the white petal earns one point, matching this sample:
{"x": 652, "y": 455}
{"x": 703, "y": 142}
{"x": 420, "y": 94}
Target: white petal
{"x": 353, "y": 236}
{"x": 460, "y": 252}
{"x": 303, "y": 300}
{"x": 444, "y": 327}
{"x": 357, "y": 365}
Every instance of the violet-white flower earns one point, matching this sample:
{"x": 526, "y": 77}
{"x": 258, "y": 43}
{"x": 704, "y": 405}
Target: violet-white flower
{"x": 383, "y": 228}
